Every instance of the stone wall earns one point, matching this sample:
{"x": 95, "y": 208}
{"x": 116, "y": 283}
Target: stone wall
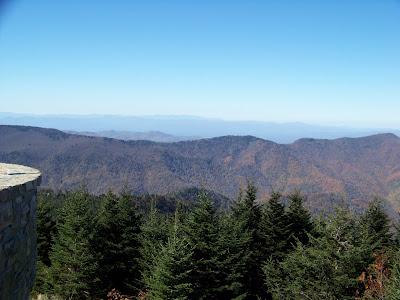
{"x": 18, "y": 186}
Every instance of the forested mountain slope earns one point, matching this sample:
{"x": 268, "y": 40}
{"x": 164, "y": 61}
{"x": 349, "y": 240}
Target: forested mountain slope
{"x": 355, "y": 169}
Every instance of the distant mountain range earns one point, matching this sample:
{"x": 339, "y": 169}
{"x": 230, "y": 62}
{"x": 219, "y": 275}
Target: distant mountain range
{"x": 351, "y": 170}
{"x": 154, "y": 136}
{"x": 184, "y": 127}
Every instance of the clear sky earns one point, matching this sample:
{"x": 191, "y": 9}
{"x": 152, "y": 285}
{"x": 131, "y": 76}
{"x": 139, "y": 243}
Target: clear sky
{"x": 316, "y": 61}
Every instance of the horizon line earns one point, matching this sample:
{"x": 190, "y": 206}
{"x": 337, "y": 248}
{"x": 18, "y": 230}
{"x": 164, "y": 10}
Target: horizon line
{"x": 338, "y": 124}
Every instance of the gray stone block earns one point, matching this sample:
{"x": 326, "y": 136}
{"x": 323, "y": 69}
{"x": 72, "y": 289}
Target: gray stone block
{"x": 17, "y": 230}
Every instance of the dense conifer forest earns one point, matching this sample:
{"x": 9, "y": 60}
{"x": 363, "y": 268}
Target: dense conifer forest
{"x": 122, "y": 247}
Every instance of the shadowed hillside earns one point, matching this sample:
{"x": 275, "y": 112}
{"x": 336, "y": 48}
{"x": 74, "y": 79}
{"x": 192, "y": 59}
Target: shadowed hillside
{"x": 326, "y": 170}
{"x": 154, "y": 136}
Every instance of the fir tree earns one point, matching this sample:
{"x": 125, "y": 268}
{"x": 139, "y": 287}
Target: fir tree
{"x": 42, "y": 280}
{"x": 326, "y": 269}
{"x": 154, "y": 235}
{"x": 202, "y": 231}
{"x": 46, "y": 227}
{"x": 73, "y": 265}
{"x": 171, "y": 274}
{"x": 274, "y": 231}
{"x": 46, "y": 230}
{"x": 274, "y": 228}
{"x": 299, "y": 220}
{"x": 247, "y": 204}
{"x": 116, "y": 244}
{"x": 246, "y": 216}
{"x": 376, "y": 225}
{"x": 393, "y": 292}
{"x": 234, "y": 257}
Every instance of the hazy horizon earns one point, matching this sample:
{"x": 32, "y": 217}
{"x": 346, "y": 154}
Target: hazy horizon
{"x": 190, "y": 117}
{"x": 183, "y": 127}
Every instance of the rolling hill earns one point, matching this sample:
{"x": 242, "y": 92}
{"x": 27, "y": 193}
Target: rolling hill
{"x": 352, "y": 169}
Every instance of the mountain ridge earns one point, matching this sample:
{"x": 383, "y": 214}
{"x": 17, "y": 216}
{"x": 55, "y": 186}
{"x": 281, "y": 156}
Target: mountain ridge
{"x": 188, "y": 126}
{"x": 155, "y": 136}
{"x": 353, "y": 169}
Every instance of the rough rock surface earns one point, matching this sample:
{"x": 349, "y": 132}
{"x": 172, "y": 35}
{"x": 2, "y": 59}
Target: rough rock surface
{"x": 18, "y": 185}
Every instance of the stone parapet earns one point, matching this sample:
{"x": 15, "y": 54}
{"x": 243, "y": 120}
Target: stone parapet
{"x": 18, "y": 187}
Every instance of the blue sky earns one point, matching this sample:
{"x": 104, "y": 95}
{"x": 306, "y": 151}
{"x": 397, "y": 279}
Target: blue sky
{"x": 312, "y": 61}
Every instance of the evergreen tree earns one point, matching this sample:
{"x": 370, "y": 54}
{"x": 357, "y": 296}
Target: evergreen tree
{"x": 73, "y": 265}
{"x": 154, "y": 235}
{"x": 274, "y": 231}
{"x": 46, "y": 230}
{"x": 246, "y": 242}
{"x": 393, "y": 292}
{"x": 274, "y": 228}
{"x": 299, "y": 220}
{"x": 116, "y": 243}
{"x": 376, "y": 225}
{"x": 326, "y": 269}
{"x": 234, "y": 257}
{"x": 202, "y": 231}
{"x": 42, "y": 280}
{"x": 46, "y": 227}
{"x": 247, "y": 209}
{"x": 171, "y": 274}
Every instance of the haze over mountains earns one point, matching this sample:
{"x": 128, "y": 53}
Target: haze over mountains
{"x": 352, "y": 169}
{"x": 154, "y": 136}
{"x": 177, "y": 128}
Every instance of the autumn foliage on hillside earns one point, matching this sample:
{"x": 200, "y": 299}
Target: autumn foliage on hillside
{"x": 327, "y": 171}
